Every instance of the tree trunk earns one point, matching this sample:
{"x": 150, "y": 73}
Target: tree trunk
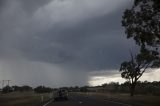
{"x": 132, "y": 89}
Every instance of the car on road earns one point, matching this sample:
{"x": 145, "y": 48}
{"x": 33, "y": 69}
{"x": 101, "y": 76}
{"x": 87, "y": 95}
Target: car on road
{"x": 61, "y": 94}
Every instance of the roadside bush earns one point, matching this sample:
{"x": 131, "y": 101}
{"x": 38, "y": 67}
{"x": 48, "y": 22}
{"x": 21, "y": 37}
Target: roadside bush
{"x": 43, "y": 89}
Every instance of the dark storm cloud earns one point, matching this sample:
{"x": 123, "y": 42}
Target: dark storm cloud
{"x": 75, "y": 36}
{"x": 28, "y": 5}
{"x": 95, "y": 44}
{"x": 32, "y": 5}
{"x": 89, "y": 45}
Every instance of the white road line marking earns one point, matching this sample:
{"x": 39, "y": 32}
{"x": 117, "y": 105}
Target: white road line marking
{"x": 80, "y": 102}
{"x": 48, "y": 102}
{"x": 118, "y": 103}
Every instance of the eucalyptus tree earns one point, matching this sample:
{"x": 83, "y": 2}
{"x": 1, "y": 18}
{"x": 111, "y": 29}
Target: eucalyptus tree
{"x": 142, "y": 23}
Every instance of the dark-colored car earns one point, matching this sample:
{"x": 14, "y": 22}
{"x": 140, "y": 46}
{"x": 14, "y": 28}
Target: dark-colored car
{"x": 61, "y": 94}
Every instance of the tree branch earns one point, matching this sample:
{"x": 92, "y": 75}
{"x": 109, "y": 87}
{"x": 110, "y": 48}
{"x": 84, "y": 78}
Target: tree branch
{"x": 144, "y": 70}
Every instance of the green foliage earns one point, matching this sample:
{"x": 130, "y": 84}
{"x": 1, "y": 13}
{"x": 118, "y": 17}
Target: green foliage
{"x": 43, "y": 89}
{"x": 133, "y": 69}
{"x": 145, "y": 88}
{"x": 24, "y": 88}
{"x": 142, "y": 22}
{"x": 84, "y": 89}
{"x": 7, "y": 89}
{"x": 112, "y": 87}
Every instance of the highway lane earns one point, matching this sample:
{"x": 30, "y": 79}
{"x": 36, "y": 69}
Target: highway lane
{"x": 79, "y": 100}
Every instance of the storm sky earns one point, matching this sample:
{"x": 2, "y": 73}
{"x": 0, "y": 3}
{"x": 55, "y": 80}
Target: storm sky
{"x": 61, "y": 42}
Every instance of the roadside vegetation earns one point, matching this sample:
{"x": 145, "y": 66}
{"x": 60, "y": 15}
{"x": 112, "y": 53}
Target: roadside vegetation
{"x": 23, "y": 99}
{"x": 142, "y": 88}
{"x": 146, "y": 93}
{"x": 125, "y": 98}
{"x": 25, "y": 96}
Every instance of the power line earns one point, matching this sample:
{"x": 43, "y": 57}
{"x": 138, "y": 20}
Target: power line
{"x": 3, "y": 82}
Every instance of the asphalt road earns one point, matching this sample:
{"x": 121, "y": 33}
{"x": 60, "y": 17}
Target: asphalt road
{"x": 79, "y": 100}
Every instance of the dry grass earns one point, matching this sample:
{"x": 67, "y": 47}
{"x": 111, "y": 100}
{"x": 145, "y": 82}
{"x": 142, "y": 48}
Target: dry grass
{"x": 22, "y": 99}
{"x": 137, "y": 100}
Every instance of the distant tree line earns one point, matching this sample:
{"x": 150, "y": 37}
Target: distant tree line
{"x": 8, "y": 89}
{"x": 43, "y": 89}
{"x": 26, "y": 88}
{"x": 147, "y": 88}
{"x": 76, "y": 89}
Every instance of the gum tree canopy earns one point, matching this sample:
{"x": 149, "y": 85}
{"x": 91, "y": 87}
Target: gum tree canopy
{"x": 142, "y": 23}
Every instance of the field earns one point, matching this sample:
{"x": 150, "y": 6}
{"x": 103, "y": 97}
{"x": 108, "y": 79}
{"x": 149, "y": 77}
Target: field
{"x": 137, "y": 100}
{"x": 23, "y": 99}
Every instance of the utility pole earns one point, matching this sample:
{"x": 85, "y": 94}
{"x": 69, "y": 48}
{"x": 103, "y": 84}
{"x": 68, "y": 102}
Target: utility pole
{"x": 8, "y": 82}
{"x": 3, "y": 82}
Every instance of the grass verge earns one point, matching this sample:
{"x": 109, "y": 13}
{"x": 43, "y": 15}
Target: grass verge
{"x": 23, "y": 99}
{"x": 137, "y": 100}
